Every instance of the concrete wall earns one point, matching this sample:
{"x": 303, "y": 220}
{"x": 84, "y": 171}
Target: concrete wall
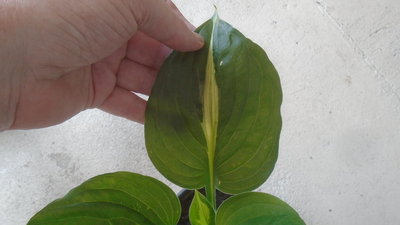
{"x": 339, "y": 164}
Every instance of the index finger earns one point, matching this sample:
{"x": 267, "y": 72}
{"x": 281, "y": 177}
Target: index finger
{"x": 158, "y": 20}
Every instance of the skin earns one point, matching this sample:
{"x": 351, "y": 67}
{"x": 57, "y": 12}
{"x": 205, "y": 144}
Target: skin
{"x": 58, "y": 58}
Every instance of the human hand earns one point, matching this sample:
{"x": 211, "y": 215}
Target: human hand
{"x": 58, "y": 58}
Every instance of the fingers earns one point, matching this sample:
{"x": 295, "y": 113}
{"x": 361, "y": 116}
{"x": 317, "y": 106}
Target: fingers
{"x": 159, "y": 21}
{"x": 136, "y": 77}
{"x": 113, "y": 82}
{"x": 125, "y": 104}
{"x": 103, "y": 75}
{"x": 147, "y": 51}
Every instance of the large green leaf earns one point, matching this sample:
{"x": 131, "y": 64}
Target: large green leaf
{"x": 255, "y": 208}
{"x": 213, "y": 117}
{"x": 120, "y": 198}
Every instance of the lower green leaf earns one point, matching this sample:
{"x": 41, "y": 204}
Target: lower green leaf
{"x": 201, "y": 212}
{"x": 256, "y": 208}
{"x": 120, "y": 198}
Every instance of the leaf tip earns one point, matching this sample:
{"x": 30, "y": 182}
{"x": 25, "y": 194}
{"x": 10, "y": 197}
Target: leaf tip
{"x": 215, "y": 16}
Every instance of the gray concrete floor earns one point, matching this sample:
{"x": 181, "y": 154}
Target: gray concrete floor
{"x": 339, "y": 62}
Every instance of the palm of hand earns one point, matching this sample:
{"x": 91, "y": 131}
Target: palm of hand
{"x": 108, "y": 84}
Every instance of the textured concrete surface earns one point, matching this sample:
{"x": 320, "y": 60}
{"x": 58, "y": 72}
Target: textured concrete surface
{"x": 339, "y": 62}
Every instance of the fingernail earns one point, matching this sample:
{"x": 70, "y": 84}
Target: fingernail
{"x": 200, "y": 40}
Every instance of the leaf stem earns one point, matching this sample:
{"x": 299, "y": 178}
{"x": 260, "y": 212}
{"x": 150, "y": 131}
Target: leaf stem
{"x": 211, "y": 193}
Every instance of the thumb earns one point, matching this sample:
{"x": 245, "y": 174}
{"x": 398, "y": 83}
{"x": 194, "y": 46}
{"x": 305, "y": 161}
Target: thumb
{"x": 157, "y": 19}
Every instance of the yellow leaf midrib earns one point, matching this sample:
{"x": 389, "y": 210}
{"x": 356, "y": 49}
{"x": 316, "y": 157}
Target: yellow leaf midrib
{"x": 210, "y": 107}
